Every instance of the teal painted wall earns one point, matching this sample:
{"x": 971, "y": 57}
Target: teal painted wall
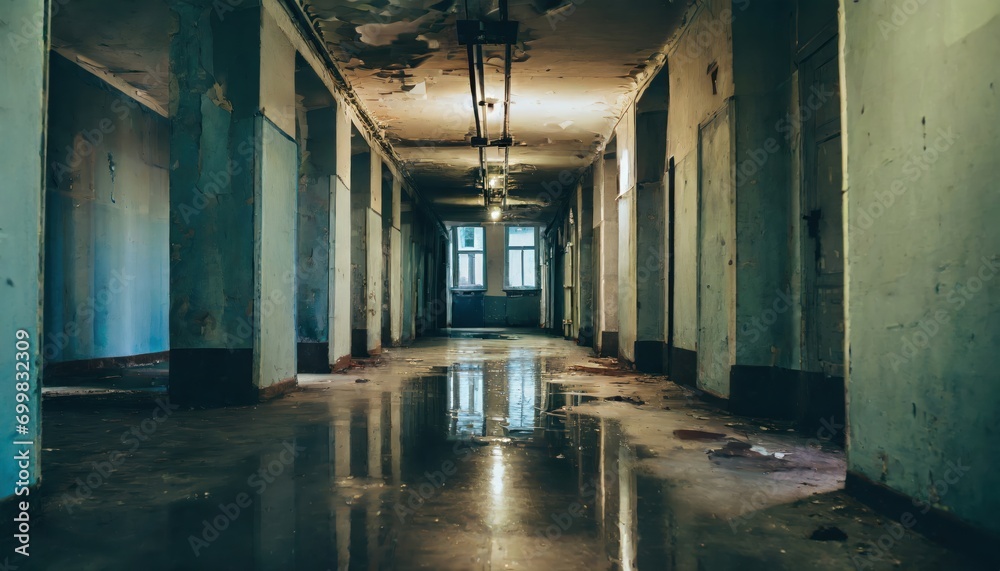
{"x": 107, "y": 204}
{"x": 922, "y": 125}
{"x": 23, "y": 67}
{"x": 274, "y": 244}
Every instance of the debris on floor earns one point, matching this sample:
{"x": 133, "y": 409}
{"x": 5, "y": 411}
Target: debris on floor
{"x": 684, "y": 434}
{"x": 831, "y": 533}
{"x": 601, "y": 371}
{"x": 631, "y": 400}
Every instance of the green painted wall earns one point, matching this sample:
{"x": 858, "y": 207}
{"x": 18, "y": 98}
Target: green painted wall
{"x": 274, "y": 244}
{"x": 23, "y": 66}
{"x": 922, "y": 125}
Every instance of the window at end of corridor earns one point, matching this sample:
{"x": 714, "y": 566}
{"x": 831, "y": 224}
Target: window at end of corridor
{"x": 522, "y": 258}
{"x": 469, "y": 257}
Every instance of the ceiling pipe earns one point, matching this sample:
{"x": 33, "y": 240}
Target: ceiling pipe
{"x": 507, "y": 72}
{"x": 472, "y": 86}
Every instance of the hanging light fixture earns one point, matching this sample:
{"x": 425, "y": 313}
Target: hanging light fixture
{"x": 474, "y": 34}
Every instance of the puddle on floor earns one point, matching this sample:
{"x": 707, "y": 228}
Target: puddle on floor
{"x": 485, "y": 464}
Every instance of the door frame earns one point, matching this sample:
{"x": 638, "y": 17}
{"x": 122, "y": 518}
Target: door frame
{"x": 821, "y": 50}
{"x": 727, "y": 108}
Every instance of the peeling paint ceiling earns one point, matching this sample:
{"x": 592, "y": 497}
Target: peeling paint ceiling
{"x": 577, "y": 65}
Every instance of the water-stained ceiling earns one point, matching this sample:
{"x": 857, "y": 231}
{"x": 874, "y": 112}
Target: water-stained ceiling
{"x": 577, "y": 64}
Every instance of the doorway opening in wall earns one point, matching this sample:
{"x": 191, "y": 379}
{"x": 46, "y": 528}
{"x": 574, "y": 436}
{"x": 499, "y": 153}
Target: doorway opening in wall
{"x": 468, "y": 262}
{"x": 495, "y": 281}
{"x": 106, "y": 286}
{"x": 822, "y": 236}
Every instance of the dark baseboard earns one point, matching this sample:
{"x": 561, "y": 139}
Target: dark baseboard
{"x": 812, "y": 400}
{"x": 934, "y": 523}
{"x": 359, "y": 343}
{"x": 69, "y": 368}
{"x": 683, "y": 366}
{"x": 212, "y": 377}
{"x": 768, "y": 392}
{"x": 609, "y": 344}
{"x": 649, "y": 356}
{"x": 313, "y": 358}
{"x": 277, "y": 390}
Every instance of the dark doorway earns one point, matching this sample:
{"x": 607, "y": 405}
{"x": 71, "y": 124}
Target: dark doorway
{"x": 822, "y": 212}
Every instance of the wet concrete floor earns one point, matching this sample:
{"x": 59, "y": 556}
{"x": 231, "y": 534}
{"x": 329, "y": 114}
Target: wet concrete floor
{"x": 459, "y": 453}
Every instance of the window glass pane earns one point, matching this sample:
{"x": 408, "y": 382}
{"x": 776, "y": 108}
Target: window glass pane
{"x": 515, "y": 277}
{"x": 464, "y": 273}
{"x": 529, "y": 268}
{"x": 520, "y": 237}
{"x": 478, "y": 260}
{"x": 470, "y": 238}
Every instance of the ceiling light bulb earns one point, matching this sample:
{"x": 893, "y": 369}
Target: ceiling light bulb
{"x": 495, "y": 214}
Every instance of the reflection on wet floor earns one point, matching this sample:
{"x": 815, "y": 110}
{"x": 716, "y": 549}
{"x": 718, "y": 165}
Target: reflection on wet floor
{"x": 484, "y": 464}
{"x": 460, "y": 471}
{"x": 152, "y": 378}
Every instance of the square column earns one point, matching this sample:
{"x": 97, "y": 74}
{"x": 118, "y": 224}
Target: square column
{"x": 627, "y": 274}
{"x": 366, "y": 257}
{"x": 23, "y": 101}
{"x": 395, "y": 271}
{"x": 233, "y": 181}
{"x": 340, "y": 246}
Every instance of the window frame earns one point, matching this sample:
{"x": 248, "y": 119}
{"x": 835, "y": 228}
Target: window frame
{"x": 506, "y": 260}
{"x": 455, "y": 258}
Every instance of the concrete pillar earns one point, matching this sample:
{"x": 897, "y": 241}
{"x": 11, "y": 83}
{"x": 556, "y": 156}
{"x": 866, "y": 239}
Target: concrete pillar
{"x": 606, "y": 254}
{"x": 340, "y": 246}
{"x": 23, "y": 65}
{"x": 585, "y": 263}
{"x": 366, "y": 255}
{"x": 921, "y": 136}
{"x": 316, "y": 196}
{"x": 409, "y": 267}
{"x": 234, "y": 171}
{"x": 627, "y": 308}
{"x": 395, "y": 270}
